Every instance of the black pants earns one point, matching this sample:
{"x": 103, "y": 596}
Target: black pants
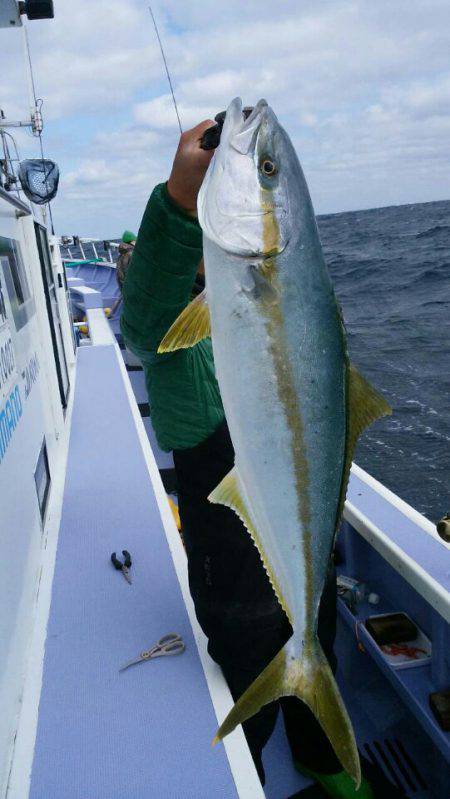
{"x": 236, "y": 606}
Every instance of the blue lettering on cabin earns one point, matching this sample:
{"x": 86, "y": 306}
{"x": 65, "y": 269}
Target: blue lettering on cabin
{"x": 30, "y": 374}
{"x": 9, "y": 418}
{"x": 18, "y": 402}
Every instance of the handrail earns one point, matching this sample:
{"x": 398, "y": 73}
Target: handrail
{"x": 100, "y": 332}
{"x": 19, "y": 204}
{"x": 86, "y": 262}
{"x": 402, "y": 536}
{"x": 418, "y": 518}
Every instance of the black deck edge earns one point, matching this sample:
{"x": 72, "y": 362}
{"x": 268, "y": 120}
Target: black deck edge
{"x": 169, "y": 480}
{"x": 144, "y": 409}
{"x": 313, "y": 792}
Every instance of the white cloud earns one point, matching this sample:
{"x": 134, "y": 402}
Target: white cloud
{"x": 364, "y": 91}
{"x": 160, "y": 113}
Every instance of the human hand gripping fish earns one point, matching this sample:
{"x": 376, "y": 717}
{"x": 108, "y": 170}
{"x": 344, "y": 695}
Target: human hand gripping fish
{"x": 295, "y": 407}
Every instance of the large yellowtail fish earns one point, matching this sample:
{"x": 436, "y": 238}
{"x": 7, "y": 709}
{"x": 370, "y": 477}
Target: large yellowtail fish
{"x": 294, "y": 405}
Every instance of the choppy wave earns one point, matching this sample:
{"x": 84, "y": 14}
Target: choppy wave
{"x": 436, "y": 230}
{"x": 391, "y": 270}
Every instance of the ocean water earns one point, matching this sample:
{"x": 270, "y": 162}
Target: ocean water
{"x": 391, "y": 272}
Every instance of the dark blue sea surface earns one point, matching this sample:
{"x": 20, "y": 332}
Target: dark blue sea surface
{"x": 391, "y": 272}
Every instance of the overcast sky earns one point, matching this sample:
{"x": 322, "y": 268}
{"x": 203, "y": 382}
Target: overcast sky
{"x": 363, "y": 89}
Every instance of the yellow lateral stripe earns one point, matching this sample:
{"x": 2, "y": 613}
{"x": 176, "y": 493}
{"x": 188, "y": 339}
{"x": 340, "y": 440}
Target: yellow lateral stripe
{"x": 275, "y": 326}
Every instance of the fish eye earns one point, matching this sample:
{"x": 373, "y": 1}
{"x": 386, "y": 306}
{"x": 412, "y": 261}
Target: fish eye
{"x": 268, "y": 167}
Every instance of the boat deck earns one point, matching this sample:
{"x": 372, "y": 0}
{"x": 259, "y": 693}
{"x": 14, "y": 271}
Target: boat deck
{"x": 148, "y": 730}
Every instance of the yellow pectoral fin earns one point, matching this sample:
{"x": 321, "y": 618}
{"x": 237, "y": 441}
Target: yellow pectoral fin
{"x": 190, "y": 327}
{"x": 364, "y": 406}
{"x": 228, "y": 493}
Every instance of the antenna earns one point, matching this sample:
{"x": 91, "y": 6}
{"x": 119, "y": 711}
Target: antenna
{"x": 36, "y": 117}
{"x": 167, "y": 68}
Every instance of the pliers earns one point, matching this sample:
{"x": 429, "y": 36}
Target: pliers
{"x": 123, "y": 567}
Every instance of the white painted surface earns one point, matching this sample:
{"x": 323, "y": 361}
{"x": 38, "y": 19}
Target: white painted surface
{"x": 408, "y": 511}
{"x": 413, "y": 572}
{"x": 99, "y": 328}
{"x": 20, "y": 774}
{"x": 22, "y": 534}
{"x": 40, "y": 339}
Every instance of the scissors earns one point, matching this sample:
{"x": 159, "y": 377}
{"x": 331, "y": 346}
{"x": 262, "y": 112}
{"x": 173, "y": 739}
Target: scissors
{"x": 123, "y": 567}
{"x": 170, "y": 644}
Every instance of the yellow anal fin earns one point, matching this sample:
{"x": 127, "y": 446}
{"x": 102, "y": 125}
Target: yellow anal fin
{"x": 311, "y": 680}
{"x": 228, "y": 493}
{"x": 364, "y": 406}
{"x": 190, "y": 327}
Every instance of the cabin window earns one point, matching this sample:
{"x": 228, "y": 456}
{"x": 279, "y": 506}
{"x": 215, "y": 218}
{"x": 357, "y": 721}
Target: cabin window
{"x": 42, "y": 479}
{"x": 22, "y": 303}
{"x": 19, "y": 277}
{"x": 53, "y": 312}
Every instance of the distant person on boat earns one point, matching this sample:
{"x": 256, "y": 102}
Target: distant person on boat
{"x": 234, "y": 600}
{"x": 126, "y": 248}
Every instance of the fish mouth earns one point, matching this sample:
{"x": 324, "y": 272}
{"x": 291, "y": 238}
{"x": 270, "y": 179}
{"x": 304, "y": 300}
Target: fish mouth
{"x": 256, "y": 112}
{"x": 243, "y": 130}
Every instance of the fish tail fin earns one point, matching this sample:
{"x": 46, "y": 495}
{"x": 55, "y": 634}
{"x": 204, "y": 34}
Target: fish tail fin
{"x": 311, "y": 680}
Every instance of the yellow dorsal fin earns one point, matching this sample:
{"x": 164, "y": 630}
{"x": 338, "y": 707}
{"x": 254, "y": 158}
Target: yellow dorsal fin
{"x": 228, "y": 493}
{"x": 190, "y": 327}
{"x": 364, "y": 406}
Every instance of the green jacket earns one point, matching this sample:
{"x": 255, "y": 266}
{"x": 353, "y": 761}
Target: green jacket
{"x": 184, "y": 397}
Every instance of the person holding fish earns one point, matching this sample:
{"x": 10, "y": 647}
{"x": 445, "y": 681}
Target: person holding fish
{"x": 262, "y": 432}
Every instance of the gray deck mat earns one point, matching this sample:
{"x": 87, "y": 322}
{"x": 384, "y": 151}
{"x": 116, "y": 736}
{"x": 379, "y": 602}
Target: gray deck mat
{"x": 147, "y": 731}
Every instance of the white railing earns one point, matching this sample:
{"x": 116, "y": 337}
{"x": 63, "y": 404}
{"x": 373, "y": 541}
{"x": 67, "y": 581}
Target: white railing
{"x": 414, "y": 572}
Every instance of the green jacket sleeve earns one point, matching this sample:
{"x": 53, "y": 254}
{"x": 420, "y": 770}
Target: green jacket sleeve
{"x": 162, "y": 272}
{"x": 184, "y": 396}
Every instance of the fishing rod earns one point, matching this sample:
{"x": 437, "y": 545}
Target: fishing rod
{"x": 166, "y": 67}
{"x": 211, "y": 137}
